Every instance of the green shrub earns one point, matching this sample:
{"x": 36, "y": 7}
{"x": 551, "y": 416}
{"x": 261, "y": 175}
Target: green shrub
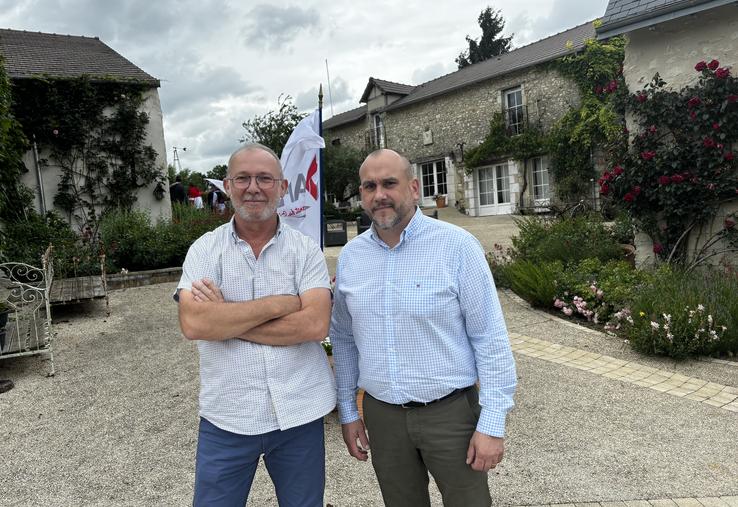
{"x": 682, "y": 314}
{"x": 604, "y": 288}
{"x": 536, "y": 283}
{"x": 27, "y": 240}
{"x": 568, "y": 240}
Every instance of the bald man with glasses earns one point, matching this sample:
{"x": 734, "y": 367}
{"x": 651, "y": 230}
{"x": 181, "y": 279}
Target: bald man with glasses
{"x": 255, "y": 295}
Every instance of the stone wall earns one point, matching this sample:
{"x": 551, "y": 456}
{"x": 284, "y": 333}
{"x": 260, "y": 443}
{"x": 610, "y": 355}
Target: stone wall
{"x": 434, "y": 128}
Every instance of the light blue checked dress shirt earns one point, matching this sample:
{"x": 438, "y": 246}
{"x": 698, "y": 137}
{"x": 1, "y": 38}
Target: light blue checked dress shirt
{"x": 417, "y": 321}
{"x": 249, "y": 388}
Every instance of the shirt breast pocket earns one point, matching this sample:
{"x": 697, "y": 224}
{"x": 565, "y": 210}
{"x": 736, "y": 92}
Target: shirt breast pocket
{"x": 426, "y": 295}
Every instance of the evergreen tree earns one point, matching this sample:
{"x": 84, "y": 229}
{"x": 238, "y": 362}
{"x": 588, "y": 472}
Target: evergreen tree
{"x": 274, "y": 128}
{"x": 490, "y": 44}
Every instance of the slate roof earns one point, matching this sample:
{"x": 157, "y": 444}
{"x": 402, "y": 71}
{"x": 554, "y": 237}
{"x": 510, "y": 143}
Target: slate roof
{"x": 346, "y": 117}
{"x": 622, "y": 16}
{"x": 29, "y": 54}
{"x": 387, "y": 87}
{"x": 550, "y": 48}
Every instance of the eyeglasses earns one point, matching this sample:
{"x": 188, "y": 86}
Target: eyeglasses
{"x": 263, "y": 181}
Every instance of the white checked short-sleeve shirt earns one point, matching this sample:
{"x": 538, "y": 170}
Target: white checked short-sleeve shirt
{"x": 249, "y": 388}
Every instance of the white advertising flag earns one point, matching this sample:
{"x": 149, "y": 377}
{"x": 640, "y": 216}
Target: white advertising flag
{"x": 300, "y": 207}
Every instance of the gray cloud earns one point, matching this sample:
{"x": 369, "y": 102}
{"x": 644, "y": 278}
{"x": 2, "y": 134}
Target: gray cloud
{"x": 339, "y": 93}
{"x": 270, "y": 27}
{"x": 558, "y": 19}
{"x": 432, "y": 71}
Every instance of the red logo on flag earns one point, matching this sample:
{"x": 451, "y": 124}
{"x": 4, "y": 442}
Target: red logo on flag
{"x": 310, "y": 185}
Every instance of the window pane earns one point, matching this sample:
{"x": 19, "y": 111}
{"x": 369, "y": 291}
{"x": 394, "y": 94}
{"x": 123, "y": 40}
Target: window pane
{"x": 503, "y": 184}
{"x": 486, "y": 187}
{"x": 427, "y": 175}
{"x": 441, "y": 177}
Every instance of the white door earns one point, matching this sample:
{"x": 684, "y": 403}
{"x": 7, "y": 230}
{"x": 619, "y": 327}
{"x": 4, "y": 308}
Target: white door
{"x": 432, "y": 181}
{"x": 493, "y": 190}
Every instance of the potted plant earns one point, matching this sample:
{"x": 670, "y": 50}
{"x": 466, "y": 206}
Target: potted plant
{"x": 440, "y": 200}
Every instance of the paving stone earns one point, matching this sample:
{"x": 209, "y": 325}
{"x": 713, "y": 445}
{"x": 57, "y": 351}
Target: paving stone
{"x": 712, "y": 502}
{"x": 662, "y": 503}
{"x": 730, "y": 500}
{"x": 687, "y": 502}
{"x": 637, "y": 503}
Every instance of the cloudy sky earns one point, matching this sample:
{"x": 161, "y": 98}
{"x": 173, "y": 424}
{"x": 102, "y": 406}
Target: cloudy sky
{"x": 221, "y": 62}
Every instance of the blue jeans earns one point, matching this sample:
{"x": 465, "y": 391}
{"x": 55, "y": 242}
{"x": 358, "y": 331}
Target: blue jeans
{"x": 226, "y": 463}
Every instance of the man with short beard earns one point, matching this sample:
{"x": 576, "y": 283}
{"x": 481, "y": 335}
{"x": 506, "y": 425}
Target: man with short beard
{"x": 416, "y": 323}
{"x": 255, "y": 294}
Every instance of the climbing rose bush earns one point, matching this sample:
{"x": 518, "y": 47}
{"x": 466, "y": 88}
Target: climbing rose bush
{"x": 680, "y": 166}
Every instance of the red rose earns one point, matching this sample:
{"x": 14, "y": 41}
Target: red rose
{"x": 715, "y": 126}
{"x": 714, "y": 64}
{"x": 729, "y": 223}
{"x": 664, "y": 180}
{"x": 636, "y": 190}
{"x": 700, "y": 66}
{"x": 605, "y": 189}
{"x": 641, "y": 97}
{"x": 648, "y": 155}
{"x": 617, "y": 170}
{"x": 722, "y": 73}
{"x": 692, "y": 114}
{"x": 628, "y": 197}
{"x": 694, "y": 101}
{"x": 677, "y": 178}
{"x": 607, "y": 176}
{"x": 728, "y": 156}
{"x": 708, "y": 142}
{"x": 658, "y": 248}
{"x": 732, "y": 98}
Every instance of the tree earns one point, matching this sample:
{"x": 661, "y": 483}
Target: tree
{"x": 341, "y": 171}
{"x": 274, "y": 128}
{"x": 218, "y": 172}
{"x": 490, "y": 44}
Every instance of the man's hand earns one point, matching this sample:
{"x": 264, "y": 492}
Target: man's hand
{"x": 484, "y": 451}
{"x": 352, "y": 432}
{"x": 206, "y": 290}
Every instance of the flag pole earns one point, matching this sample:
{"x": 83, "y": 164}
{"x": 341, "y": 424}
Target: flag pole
{"x": 322, "y": 181}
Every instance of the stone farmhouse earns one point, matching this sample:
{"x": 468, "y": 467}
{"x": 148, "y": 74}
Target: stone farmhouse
{"x": 33, "y": 54}
{"x": 435, "y": 122}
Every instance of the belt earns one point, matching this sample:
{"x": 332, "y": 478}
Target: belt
{"x": 417, "y": 404}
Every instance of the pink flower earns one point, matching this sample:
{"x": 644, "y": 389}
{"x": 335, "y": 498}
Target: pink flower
{"x": 722, "y": 73}
{"x": 648, "y": 155}
{"x": 652, "y": 129}
{"x": 715, "y": 126}
{"x": 55, "y": 132}
{"x": 700, "y": 66}
{"x": 694, "y": 101}
{"x": 559, "y": 303}
{"x": 677, "y": 178}
{"x": 617, "y": 170}
{"x": 711, "y": 186}
{"x": 714, "y": 64}
{"x": 728, "y": 156}
{"x": 641, "y": 97}
{"x": 628, "y": 197}
{"x": 708, "y": 142}
{"x": 658, "y": 248}
{"x": 567, "y": 311}
{"x": 664, "y": 180}
{"x": 692, "y": 114}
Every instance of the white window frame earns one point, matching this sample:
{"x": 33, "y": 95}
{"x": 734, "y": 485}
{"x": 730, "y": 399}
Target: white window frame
{"x": 378, "y": 131}
{"x": 439, "y": 183}
{"x": 517, "y": 109}
{"x": 540, "y": 181}
{"x": 499, "y": 194}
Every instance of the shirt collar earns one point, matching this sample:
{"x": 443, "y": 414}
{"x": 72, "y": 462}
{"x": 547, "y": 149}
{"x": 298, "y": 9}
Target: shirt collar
{"x": 236, "y": 238}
